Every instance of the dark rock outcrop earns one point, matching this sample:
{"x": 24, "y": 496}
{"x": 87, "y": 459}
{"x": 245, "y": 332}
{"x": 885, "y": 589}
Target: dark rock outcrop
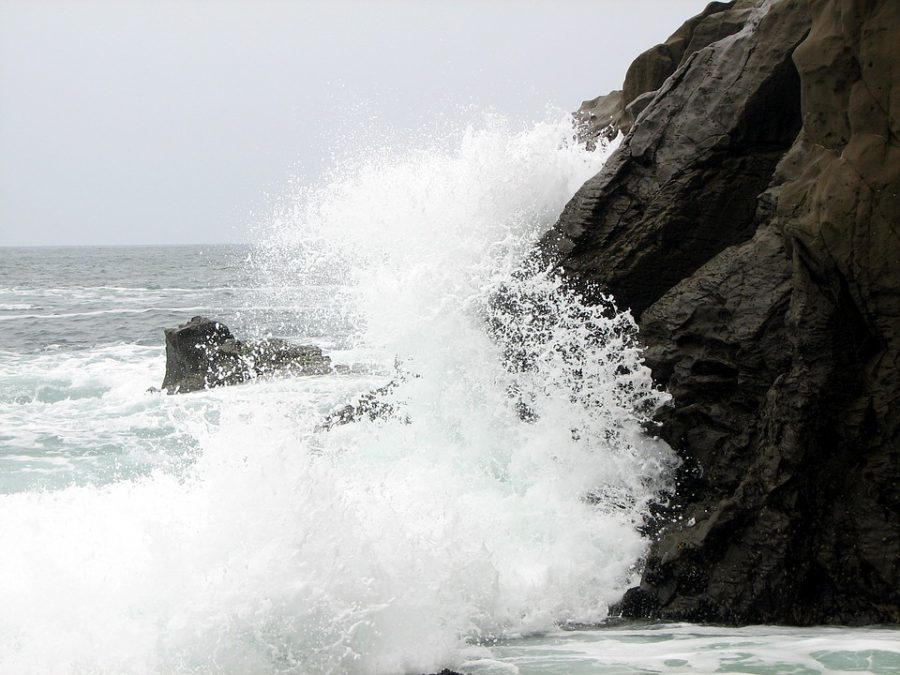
{"x": 203, "y": 353}
{"x": 605, "y": 116}
{"x": 751, "y": 221}
{"x": 598, "y": 120}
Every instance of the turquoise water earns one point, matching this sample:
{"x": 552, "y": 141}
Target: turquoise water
{"x": 81, "y": 343}
{"x": 228, "y": 531}
{"x": 688, "y": 648}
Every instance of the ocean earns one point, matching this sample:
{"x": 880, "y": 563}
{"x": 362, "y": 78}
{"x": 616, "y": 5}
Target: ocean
{"x": 486, "y": 525}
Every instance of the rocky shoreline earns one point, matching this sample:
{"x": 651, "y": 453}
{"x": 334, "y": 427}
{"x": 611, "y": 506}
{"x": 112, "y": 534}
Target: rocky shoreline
{"x": 750, "y": 220}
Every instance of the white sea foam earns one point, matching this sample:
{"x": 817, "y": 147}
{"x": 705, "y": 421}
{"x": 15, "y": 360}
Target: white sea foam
{"x": 689, "y": 648}
{"x": 500, "y": 498}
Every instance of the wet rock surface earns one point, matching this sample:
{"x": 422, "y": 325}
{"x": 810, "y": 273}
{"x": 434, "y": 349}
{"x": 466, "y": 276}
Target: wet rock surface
{"x": 369, "y": 406}
{"x": 751, "y": 221}
{"x": 605, "y": 116}
{"x": 203, "y": 353}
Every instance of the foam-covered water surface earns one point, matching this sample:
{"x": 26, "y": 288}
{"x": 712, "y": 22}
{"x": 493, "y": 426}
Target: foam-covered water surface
{"x": 689, "y": 648}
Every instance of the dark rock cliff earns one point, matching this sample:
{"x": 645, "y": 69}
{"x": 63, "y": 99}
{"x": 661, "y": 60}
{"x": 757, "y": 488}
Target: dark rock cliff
{"x": 751, "y": 221}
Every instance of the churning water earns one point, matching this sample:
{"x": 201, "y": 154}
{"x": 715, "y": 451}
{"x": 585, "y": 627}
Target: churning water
{"x": 231, "y": 531}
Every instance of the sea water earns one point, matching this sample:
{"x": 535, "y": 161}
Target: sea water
{"x": 480, "y": 526}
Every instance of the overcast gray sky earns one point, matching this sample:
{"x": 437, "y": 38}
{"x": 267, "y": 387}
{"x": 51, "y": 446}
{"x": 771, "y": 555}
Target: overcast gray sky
{"x": 154, "y": 121}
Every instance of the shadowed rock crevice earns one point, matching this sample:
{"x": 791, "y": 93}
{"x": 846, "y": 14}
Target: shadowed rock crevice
{"x": 750, "y": 221}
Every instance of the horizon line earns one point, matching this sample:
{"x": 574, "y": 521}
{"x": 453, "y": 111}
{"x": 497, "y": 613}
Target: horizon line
{"x": 141, "y": 245}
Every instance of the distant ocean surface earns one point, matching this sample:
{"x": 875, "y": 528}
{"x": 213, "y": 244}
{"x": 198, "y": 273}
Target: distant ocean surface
{"x": 82, "y": 297}
{"x": 229, "y": 531}
{"x": 81, "y": 342}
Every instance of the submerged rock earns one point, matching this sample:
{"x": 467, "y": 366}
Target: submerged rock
{"x": 749, "y": 220}
{"x": 371, "y": 405}
{"x": 203, "y": 353}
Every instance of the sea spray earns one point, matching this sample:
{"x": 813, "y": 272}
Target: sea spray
{"x": 386, "y": 545}
{"x": 425, "y": 243}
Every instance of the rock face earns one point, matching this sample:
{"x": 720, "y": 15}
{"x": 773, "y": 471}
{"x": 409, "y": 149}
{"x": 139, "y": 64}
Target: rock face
{"x": 751, "y": 221}
{"x": 203, "y": 353}
{"x": 606, "y": 115}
